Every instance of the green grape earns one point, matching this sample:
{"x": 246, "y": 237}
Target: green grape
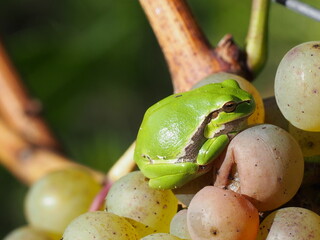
{"x": 160, "y": 236}
{"x": 216, "y": 213}
{"x": 99, "y": 225}
{"x": 291, "y": 223}
{"x": 30, "y": 233}
{"x": 178, "y": 225}
{"x": 297, "y": 86}
{"x": 53, "y": 201}
{"x": 131, "y": 197}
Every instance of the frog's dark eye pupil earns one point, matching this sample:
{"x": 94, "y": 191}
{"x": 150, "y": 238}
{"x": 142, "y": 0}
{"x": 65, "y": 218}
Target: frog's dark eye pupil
{"x": 229, "y": 106}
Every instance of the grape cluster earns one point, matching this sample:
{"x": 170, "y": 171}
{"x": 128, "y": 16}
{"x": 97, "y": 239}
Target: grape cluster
{"x": 258, "y": 188}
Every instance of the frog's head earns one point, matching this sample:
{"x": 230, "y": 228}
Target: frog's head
{"x": 233, "y": 107}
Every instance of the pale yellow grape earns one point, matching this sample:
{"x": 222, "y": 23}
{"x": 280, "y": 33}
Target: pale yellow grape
{"x": 297, "y": 86}
{"x": 99, "y": 225}
{"x": 259, "y": 114}
{"x": 160, "y": 236}
{"x": 290, "y": 224}
{"x": 53, "y": 201}
{"x": 179, "y": 226}
{"x": 132, "y": 197}
{"x": 30, "y": 233}
{"x": 308, "y": 141}
{"x": 219, "y": 214}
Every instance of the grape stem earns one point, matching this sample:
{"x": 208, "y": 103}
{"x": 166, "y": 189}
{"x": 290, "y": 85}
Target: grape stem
{"x": 18, "y": 110}
{"x": 256, "y": 41}
{"x": 98, "y": 201}
{"x": 29, "y": 162}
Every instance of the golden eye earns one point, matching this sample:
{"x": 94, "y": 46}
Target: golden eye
{"x": 229, "y": 106}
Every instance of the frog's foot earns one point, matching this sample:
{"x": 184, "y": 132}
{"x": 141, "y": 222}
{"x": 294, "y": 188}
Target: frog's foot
{"x": 212, "y": 148}
{"x": 171, "y": 181}
{"x": 164, "y": 176}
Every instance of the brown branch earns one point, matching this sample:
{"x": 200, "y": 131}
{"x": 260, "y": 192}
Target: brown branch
{"x": 189, "y": 55}
{"x": 27, "y": 147}
{"x": 29, "y": 162}
{"x": 18, "y": 110}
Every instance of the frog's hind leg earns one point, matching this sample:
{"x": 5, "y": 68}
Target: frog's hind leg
{"x": 212, "y": 148}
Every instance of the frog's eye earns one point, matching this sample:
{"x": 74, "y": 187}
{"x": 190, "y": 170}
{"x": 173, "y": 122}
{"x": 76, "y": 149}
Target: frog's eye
{"x": 229, "y": 106}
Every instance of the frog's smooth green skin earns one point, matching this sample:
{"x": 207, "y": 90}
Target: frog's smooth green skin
{"x": 182, "y": 134}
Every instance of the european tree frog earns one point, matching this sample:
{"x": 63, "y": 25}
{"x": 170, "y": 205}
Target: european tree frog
{"x": 182, "y": 134}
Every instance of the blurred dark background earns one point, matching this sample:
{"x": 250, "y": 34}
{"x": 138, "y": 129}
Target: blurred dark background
{"x": 96, "y": 66}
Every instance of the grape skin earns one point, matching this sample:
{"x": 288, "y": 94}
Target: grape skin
{"x": 160, "y": 236}
{"x": 297, "y": 86}
{"x": 30, "y": 233}
{"x": 179, "y": 226}
{"x": 132, "y": 197}
{"x": 141, "y": 229}
{"x": 290, "y": 223}
{"x": 53, "y": 201}
{"x": 99, "y": 225}
{"x": 220, "y": 214}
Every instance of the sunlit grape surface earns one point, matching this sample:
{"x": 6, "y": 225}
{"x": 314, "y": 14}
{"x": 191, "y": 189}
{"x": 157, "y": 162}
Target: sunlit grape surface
{"x": 132, "y": 197}
{"x": 290, "y": 224}
{"x": 59, "y": 197}
{"x": 30, "y": 233}
{"x": 99, "y": 225}
{"x": 297, "y": 86}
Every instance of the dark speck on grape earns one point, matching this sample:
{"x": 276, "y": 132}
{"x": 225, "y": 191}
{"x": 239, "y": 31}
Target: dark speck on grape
{"x": 310, "y": 144}
{"x": 214, "y": 231}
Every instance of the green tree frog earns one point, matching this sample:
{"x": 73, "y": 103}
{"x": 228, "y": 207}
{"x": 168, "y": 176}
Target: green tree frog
{"x": 182, "y": 134}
